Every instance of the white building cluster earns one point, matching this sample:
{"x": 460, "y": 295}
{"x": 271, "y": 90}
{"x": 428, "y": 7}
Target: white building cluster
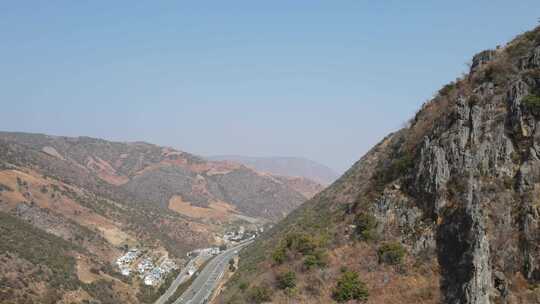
{"x": 235, "y": 236}
{"x": 240, "y": 235}
{"x": 124, "y": 262}
{"x": 156, "y": 275}
{"x": 144, "y": 266}
{"x": 148, "y": 272}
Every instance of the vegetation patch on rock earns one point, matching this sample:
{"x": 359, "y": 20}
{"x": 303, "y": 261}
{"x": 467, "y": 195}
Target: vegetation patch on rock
{"x": 532, "y": 102}
{"x": 391, "y": 253}
{"x": 366, "y": 227}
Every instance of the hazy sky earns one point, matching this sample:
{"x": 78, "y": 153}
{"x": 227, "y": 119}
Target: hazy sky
{"x": 319, "y": 79}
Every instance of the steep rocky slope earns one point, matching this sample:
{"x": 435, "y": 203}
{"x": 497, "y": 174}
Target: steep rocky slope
{"x": 444, "y": 210}
{"x": 286, "y": 166}
{"x": 70, "y": 206}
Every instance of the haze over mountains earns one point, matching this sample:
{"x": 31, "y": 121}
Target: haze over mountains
{"x": 285, "y": 166}
{"x": 82, "y": 201}
{"x": 416, "y": 126}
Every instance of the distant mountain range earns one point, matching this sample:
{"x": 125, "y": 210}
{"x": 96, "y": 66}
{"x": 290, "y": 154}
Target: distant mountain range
{"x": 285, "y": 166}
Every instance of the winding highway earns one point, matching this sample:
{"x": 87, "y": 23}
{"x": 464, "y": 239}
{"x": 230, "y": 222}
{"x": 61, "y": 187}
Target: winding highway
{"x": 180, "y": 279}
{"x": 206, "y": 282}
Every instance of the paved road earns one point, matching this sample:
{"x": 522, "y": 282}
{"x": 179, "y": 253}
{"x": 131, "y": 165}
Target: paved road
{"x": 203, "y": 286}
{"x": 180, "y": 279}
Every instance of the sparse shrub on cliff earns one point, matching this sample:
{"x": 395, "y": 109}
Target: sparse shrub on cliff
{"x": 532, "y": 102}
{"x": 497, "y": 72}
{"x": 366, "y": 227}
{"x": 447, "y": 89}
{"x": 391, "y": 253}
{"x": 399, "y": 165}
{"x": 350, "y": 287}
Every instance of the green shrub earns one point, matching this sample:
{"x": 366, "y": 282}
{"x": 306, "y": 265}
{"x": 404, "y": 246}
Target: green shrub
{"x": 402, "y": 164}
{"x": 317, "y": 259}
{"x": 532, "y": 102}
{"x": 350, "y": 287}
{"x": 232, "y": 268}
{"x": 243, "y": 286}
{"x": 286, "y": 280}
{"x": 388, "y": 171}
{"x": 447, "y": 89}
{"x": 366, "y": 227}
{"x": 260, "y": 294}
{"x": 279, "y": 255}
{"x": 391, "y": 253}
{"x": 309, "y": 247}
{"x": 301, "y": 242}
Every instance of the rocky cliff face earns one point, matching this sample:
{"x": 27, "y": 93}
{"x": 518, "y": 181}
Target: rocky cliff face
{"x": 457, "y": 190}
{"x": 478, "y": 171}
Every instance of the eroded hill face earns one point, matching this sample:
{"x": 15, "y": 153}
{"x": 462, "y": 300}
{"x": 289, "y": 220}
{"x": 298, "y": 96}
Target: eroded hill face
{"x": 147, "y": 174}
{"x": 85, "y": 201}
{"x": 445, "y": 210}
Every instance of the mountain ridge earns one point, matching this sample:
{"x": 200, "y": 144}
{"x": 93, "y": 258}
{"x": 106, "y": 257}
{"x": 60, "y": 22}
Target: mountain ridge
{"x": 114, "y": 165}
{"x": 444, "y": 210}
{"x": 285, "y": 166}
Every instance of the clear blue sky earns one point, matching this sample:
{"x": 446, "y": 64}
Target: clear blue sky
{"x": 319, "y": 79}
